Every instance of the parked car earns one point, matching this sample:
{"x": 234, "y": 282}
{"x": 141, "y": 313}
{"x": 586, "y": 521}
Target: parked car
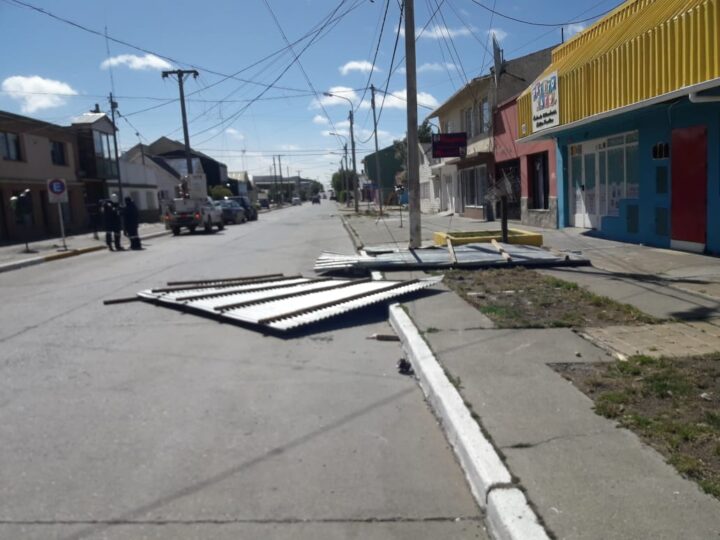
{"x": 250, "y": 211}
{"x": 264, "y": 203}
{"x": 232, "y": 212}
{"x": 191, "y": 214}
{"x": 296, "y": 201}
{"x": 316, "y": 199}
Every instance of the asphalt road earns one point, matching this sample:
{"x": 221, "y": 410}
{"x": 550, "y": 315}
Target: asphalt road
{"x": 134, "y": 421}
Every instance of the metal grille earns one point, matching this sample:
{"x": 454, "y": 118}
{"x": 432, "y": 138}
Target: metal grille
{"x": 280, "y": 303}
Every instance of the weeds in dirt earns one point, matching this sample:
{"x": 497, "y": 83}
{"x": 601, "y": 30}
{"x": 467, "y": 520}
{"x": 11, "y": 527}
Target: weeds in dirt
{"x": 671, "y": 403}
{"x": 522, "y": 298}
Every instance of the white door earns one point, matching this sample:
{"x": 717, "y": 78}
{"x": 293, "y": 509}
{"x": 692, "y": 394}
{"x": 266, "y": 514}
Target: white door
{"x": 587, "y": 188}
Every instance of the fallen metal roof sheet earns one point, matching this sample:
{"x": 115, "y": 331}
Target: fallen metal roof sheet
{"x": 277, "y": 302}
{"x": 480, "y": 255}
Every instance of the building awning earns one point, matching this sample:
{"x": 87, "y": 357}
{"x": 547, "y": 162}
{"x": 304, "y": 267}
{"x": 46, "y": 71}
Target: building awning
{"x": 643, "y": 52}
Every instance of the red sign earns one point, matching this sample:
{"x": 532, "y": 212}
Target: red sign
{"x": 449, "y": 145}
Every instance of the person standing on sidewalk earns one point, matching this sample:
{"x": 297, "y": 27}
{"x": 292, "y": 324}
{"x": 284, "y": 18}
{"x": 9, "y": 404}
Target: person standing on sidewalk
{"x": 111, "y": 221}
{"x": 131, "y": 223}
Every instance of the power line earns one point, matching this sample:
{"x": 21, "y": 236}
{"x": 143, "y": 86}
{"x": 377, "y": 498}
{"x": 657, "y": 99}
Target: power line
{"x": 139, "y": 48}
{"x": 302, "y": 69}
{"x": 234, "y": 116}
{"x": 377, "y": 49}
{"x": 390, "y": 72}
{"x": 532, "y": 23}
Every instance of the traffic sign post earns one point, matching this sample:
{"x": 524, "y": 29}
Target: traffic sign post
{"x": 57, "y": 194}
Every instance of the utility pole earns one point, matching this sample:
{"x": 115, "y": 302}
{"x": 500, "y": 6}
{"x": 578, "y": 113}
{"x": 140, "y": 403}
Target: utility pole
{"x": 347, "y": 179}
{"x": 377, "y": 151}
{"x": 282, "y": 184}
{"x": 180, "y": 74}
{"x": 275, "y": 181}
{"x": 413, "y": 172}
{"x": 355, "y": 175}
{"x": 113, "y": 106}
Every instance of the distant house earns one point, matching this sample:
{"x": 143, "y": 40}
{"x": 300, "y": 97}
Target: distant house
{"x": 174, "y": 154}
{"x": 31, "y": 153}
{"x": 390, "y": 165}
{"x": 148, "y": 179}
{"x": 467, "y": 183}
{"x": 240, "y": 184}
{"x": 96, "y": 157}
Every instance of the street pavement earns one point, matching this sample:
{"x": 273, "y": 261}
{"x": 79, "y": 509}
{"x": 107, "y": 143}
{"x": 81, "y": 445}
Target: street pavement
{"x": 585, "y": 477}
{"x": 133, "y": 421}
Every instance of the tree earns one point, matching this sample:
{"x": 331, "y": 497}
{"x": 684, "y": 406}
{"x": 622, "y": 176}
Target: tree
{"x": 220, "y": 192}
{"x": 424, "y": 136}
{"x": 425, "y": 132}
{"x": 338, "y": 181}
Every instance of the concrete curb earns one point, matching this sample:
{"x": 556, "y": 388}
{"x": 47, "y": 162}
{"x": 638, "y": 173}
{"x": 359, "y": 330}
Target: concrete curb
{"x": 353, "y": 235}
{"x": 509, "y": 517}
{"x": 24, "y": 263}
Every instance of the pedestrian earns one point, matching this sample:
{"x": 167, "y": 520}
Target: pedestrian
{"x": 131, "y": 223}
{"x": 94, "y": 215}
{"x": 111, "y": 221}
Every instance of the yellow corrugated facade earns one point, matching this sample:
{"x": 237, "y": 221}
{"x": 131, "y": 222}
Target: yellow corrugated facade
{"x": 642, "y": 50}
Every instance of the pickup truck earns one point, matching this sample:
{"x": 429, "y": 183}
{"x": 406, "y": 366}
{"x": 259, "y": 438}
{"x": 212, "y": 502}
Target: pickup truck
{"x": 191, "y": 214}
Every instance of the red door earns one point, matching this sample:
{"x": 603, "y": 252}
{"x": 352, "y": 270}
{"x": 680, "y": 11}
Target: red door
{"x": 689, "y": 187}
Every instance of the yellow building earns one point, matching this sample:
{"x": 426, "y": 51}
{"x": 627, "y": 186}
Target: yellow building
{"x": 633, "y": 104}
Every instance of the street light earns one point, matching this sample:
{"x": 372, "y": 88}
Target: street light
{"x": 351, "y": 117}
{"x": 347, "y": 183}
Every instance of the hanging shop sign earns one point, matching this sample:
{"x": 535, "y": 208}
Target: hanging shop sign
{"x": 445, "y": 145}
{"x": 545, "y": 103}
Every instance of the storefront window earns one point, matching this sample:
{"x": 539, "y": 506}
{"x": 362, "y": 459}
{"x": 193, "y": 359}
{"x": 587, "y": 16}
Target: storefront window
{"x": 615, "y": 179}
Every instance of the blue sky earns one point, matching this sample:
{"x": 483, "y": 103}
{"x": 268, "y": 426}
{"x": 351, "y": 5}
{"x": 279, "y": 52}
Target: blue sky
{"x": 53, "y": 71}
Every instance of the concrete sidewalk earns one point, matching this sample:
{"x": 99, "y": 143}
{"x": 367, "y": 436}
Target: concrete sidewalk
{"x": 585, "y": 477}
{"x": 14, "y": 256}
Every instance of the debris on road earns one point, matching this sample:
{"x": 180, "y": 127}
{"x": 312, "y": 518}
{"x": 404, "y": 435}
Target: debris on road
{"x": 280, "y": 303}
{"x": 384, "y": 337}
{"x": 481, "y": 255}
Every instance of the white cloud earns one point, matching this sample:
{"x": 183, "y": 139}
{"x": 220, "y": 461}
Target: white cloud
{"x": 500, "y": 34}
{"x": 320, "y": 120}
{"x": 398, "y": 100}
{"x": 36, "y": 93}
{"x": 235, "y": 134}
{"x": 574, "y": 28}
{"x": 133, "y": 61}
{"x": 326, "y": 101}
{"x": 363, "y": 66}
{"x": 440, "y": 31}
{"x": 430, "y": 67}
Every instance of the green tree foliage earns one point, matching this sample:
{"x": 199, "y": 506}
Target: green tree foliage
{"x": 220, "y": 192}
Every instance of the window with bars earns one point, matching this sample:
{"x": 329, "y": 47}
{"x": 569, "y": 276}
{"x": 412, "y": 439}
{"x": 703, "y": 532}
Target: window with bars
{"x": 57, "y": 153}
{"x": 10, "y": 146}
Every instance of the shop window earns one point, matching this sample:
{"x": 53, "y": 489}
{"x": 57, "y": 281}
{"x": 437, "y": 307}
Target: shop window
{"x": 473, "y": 183}
{"x": 661, "y": 151}
{"x": 57, "y": 153}
{"x": 661, "y": 222}
{"x": 661, "y": 180}
{"x": 540, "y": 182}
{"x": 633, "y": 218}
{"x": 10, "y": 146}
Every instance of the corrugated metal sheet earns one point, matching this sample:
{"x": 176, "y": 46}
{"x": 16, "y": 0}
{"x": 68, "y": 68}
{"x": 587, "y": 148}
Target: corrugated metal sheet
{"x": 280, "y": 303}
{"x": 480, "y": 255}
{"x": 642, "y": 50}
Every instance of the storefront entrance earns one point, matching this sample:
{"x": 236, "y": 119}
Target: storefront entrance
{"x": 602, "y": 173}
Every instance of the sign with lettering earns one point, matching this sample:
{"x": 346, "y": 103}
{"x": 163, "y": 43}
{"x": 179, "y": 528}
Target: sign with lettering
{"x": 545, "y": 103}
{"x": 449, "y": 145}
{"x": 57, "y": 191}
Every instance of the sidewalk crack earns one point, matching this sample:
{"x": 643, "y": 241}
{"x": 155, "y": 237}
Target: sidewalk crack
{"x": 521, "y": 445}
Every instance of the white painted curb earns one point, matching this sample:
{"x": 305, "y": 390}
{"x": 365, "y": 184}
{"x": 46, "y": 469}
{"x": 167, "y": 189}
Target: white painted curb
{"x": 512, "y": 518}
{"x": 509, "y": 516}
